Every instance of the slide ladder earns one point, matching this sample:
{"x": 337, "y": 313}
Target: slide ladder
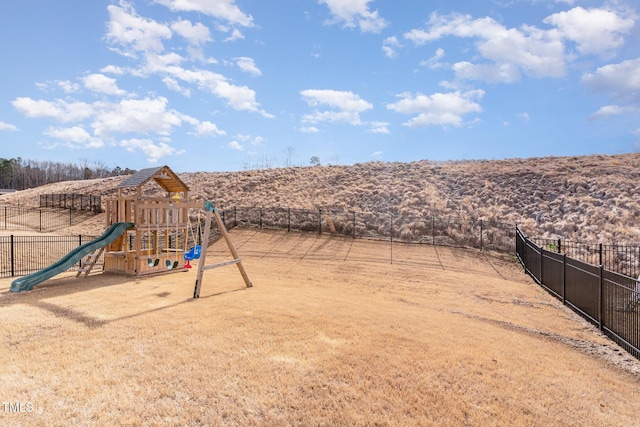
{"x": 88, "y": 262}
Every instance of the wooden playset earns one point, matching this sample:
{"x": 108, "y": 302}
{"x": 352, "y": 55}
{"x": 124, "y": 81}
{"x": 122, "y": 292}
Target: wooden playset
{"x": 159, "y": 241}
{"x": 145, "y": 235}
{"x": 156, "y": 242}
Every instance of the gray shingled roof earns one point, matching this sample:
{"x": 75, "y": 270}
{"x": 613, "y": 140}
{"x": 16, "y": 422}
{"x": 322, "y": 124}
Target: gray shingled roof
{"x": 162, "y": 175}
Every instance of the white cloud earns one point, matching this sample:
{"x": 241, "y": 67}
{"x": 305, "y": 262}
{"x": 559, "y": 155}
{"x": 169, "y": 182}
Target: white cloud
{"x": 74, "y": 137}
{"x": 510, "y": 52}
{"x": 172, "y": 84}
{"x": 135, "y": 115}
{"x": 7, "y": 126}
{"x": 238, "y": 97}
{"x": 151, "y": 150}
{"x": 248, "y": 65}
{"x": 235, "y": 145}
{"x": 354, "y": 13}
{"x": 390, "y": 46}
{"x": 309, "y": 129}
{"x": 524, "y": 117}
{"x": 207, "y": 128}
{"x": 346, "y": 101}
{"x": 68, "y": 86}
{"x": 133, "y": 32}
{"x": 236, "y": 34}
{"x": 347, "y": 106}
{"x": 102, "y": 84}
{"x": 60, "y": 110}
{"x": 225, "y": 10}
{"x": 621, "y": 81}
{"x": 197, "y": 34}
{"x": 379, "y": 127}
{"x": 257, "y": 140}
{"x": 611, "y": 110}
{"x": 376, "y": 154}
{"x": 113, "y": 69}
{"x": 434, "y": 62}
{"x": 595, "y": 31}
{"x": 158, "y": 63}
{"x": 443, "y": 109}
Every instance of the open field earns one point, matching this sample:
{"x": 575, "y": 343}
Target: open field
{"x": 331, "y": 333}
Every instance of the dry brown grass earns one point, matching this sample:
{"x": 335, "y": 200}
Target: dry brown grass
{"x": 591, "y": 198}
{"x": 330, "y": 334}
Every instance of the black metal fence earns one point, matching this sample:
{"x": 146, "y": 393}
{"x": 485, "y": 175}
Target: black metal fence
{"x": 78, "y": 202}
{"x": 607, "y": 299}
{"x": 443, "y": 231}
{"x": 623, "y": 259}
{"x": 40, "y": 219}
{"x": 21, "y": 255}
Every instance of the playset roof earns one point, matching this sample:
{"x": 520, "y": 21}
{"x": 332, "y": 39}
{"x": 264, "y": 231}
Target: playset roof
{"x": 162, "y": 175}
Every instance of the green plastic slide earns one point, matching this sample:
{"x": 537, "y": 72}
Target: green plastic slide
{"x": 26, "y": 283}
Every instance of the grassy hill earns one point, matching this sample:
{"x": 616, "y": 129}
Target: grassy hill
{"x": 589, "y": 198}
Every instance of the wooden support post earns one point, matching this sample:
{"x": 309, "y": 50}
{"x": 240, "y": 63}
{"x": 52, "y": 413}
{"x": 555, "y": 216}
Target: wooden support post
{"x": 212, "y": 212}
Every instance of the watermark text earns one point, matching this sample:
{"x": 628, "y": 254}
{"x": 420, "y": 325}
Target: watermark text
{"x": 16, "y": 407}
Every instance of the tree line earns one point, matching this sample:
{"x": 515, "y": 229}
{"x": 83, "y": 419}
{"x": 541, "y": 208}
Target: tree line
{"x": 20, "y": 174}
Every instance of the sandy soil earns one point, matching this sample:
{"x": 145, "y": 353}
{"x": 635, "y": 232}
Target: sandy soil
{"x": 334, "y": 332}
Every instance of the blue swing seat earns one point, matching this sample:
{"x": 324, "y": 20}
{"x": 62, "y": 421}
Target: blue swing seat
{"x": 194, "y": 253}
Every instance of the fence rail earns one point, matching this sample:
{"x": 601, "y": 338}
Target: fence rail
{"x": 623, "y": 259}
{"x": 606, "y": 298}
{"x": 21, "y": 255}
{"x": 367, "y": 225}
{"x": 78, "y": 202}
{"x": 442, "y": 231}
{"x": 40, "y": 219}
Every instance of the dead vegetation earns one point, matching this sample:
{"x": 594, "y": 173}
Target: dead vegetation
{"x": 331, "y": 333}
{"x": 591, "y": 198}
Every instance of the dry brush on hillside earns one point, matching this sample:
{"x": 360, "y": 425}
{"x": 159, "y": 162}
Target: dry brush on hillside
{"x": 590, "y": 198}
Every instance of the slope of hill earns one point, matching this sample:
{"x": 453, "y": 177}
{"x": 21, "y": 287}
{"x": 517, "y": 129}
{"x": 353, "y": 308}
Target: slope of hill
{"x": 590, "y": 198}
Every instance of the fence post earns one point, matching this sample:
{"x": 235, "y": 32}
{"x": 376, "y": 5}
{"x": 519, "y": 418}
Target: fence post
{"x": 70, "y": 217}
{"x": 564, "y": 279}
{"x": 600, "y": 291}
{"x": 559, "y": 246}
{"x": 391, "y": 234}
{"x": 235, "y": 216}
{"x": 319, "y": 222}
{"x": 354, "y": 224}
{"x": 600, "y": 253}
{"x": 541, "y": 266}
{"x": 260, "y": 218}
{"x": 80, "y": 244}
{"x": 524, "y": 252}
{"x": 13, "y": 258}
{"x": 481, "y": 227}
{"x": 433, "y": 230}
{"x": 40, "y": 219}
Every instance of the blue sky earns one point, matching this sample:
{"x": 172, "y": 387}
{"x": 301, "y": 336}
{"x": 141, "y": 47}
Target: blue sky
{"x": 223, "y": 85}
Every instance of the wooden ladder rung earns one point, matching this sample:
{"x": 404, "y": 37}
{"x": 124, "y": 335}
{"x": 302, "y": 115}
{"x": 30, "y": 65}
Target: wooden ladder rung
{"x": 88, "y": 262}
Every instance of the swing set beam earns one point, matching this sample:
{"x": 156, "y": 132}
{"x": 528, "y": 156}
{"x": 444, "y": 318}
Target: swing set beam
{"x": 212, "y": 213}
